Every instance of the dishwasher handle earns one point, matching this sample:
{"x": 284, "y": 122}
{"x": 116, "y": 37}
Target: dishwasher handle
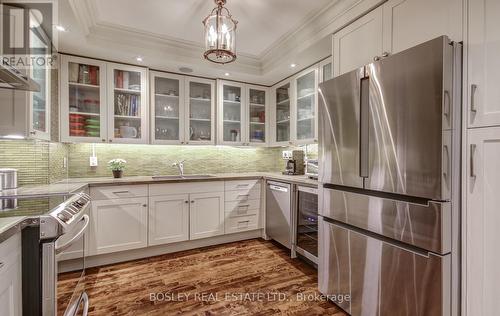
{"x": 277, "y": 188}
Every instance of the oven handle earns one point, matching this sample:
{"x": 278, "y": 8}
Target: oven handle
{"x": 62, "y": 247}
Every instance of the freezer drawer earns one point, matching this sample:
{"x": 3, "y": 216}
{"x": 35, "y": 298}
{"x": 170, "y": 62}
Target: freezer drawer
{"x": 375, "y": 277}
{"x": 424, "y": 226}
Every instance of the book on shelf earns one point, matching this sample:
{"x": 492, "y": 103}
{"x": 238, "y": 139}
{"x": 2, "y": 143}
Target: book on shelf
{"x": 83, "y": 74}
{"x": 127, "y": 104}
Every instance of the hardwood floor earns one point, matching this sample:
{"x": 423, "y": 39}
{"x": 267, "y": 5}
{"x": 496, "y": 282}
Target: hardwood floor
{"x": 253, "y": 277}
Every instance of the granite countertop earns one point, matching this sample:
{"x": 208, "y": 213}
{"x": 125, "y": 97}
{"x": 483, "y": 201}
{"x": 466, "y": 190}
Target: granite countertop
{"x": 59, "y": 188}
{"x": 74, "y": 185}
{"x": 100, "y": 181}
{"x": 9, "y": 226}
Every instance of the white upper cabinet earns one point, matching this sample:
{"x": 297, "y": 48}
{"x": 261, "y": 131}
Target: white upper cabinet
{"x": 482, "y": 221}
{"x": 231, "y": 113}
{"x": 199, "y": 111}
{"x": 358, "y": 43}
{"x": 167, "y": 108}
{"x": 128, "y": 104}
{"x": 242, "y": 110}
{"x": 325, "y": 70}
{"x": 281, "y": 113}
{"x": 305, "y": 120}
{"x": 483, "y": 45}
{"x": 411, "y": 22}
{"x": 83, "y": 108}
{"x": 257, "y": 115}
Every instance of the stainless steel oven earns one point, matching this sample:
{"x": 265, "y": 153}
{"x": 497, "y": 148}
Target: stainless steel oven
{"x": 54, "y": 235}
{"x": 305, "y": 232}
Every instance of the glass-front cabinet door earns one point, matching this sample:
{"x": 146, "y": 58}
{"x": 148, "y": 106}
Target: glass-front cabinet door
{"x": 231, "y": 113}
{"x": 199, "y": 111}
{"x": 257, "y": 115}
{"x": 40, "y": 102}
{"x": 282, "y": 112}
{"x": 306, "y": 84}
{"x": 167, "y": 108}
{"x": 128, "y": 104}
{"x": 325, "y": 70}
{"x": 83, "y": 100}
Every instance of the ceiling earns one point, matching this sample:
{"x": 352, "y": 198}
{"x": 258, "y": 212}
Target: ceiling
{"x": 261, "y": 22}
{"x": 168, "y": 34}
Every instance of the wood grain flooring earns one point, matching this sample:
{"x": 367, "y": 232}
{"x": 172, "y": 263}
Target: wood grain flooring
{"x": 253, "y": 277}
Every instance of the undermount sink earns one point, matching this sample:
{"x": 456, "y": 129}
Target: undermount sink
{"x": 186, "y": 176}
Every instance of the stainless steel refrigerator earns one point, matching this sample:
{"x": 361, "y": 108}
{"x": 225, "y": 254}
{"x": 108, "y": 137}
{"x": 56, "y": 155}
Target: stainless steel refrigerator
{"x": 389, "y": 151}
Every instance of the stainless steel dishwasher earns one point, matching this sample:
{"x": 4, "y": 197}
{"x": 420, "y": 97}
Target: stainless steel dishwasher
{"x": 278, "y": 212}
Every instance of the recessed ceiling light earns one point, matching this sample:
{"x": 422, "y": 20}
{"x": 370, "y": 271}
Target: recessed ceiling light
{"x": 139, "y": 59}
{"x": 293, "y": 65}
{"x": 226, "y": 74}
{"x": 60, "y": 28}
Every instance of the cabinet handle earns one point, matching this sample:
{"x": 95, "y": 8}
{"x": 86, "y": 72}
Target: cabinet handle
{"x": 242, "y": 222}
{"x": 33, "y": 132}
{"x": 243, "y": 185}
{"x": 2, "y": 265}
{"x": 110, "y": 140}
{"x": 144, "y": 205}
{"x": 186, "y": 201}
{"x": 192, "y": 201}
{"x": 104, "y": 140}
{"x": 472, "y": 152}
{"x": 121, "y": 192}
{"x": 473, "y": 89}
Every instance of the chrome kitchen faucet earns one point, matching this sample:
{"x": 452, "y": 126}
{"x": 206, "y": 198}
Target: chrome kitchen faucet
{"x": 180, "y": 166}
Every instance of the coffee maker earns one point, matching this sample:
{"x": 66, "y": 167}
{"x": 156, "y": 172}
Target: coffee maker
{"x": 294, "y": 162}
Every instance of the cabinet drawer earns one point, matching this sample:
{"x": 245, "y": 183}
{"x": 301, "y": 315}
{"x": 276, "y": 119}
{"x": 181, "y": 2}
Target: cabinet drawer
{"x": 10, "y": 250}
{"x": 241, "y": 207}
{"x": 240, "y": 224}
{"x": 185, "y": 187}
{"x": 241, "y": 184}
{"x": 118, "y": 192}
{"x": 243, "y": 195}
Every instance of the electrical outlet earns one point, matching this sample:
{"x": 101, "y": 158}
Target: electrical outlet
{"x": 93, "y": 161}
{"x": 287, "y": 154}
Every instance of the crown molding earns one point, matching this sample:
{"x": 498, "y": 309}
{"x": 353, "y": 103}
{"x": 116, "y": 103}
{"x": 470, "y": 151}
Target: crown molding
{"x": 313, "y": 28}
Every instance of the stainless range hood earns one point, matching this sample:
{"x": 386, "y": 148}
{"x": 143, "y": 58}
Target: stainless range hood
{"x": 11, "y": 78}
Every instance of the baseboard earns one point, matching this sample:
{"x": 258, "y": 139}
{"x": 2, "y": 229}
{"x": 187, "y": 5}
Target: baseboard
{"x": 122, "y": 256}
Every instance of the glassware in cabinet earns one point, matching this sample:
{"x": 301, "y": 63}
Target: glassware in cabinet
{"x": 168, "y": 101}
{"x": 232, "y": 113}
{"x": 200, "y": 98}
{"x": 257, "y": 115}
{"x": 282, "y": 113}
{"x": 306, "y": 89}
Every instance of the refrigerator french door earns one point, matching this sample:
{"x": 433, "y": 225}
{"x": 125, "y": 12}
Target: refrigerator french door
{"x": 389, "y": 151}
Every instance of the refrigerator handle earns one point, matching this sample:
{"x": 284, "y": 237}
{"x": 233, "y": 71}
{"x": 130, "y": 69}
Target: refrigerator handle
{"x": 473, "y": 89}
{"x": 364, "y": 126}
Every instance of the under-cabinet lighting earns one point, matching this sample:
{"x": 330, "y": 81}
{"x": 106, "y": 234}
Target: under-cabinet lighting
{"x": 226, "y": 74}
{"x": 13, "y": 137}
{"x": 293, "y": 65}
{"x": 139, "y": 59}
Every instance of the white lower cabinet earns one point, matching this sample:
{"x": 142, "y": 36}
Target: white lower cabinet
{"x": 118, "y": 224}
{"x": 10, "y": 277}
{"x": 482, "y": 222}
{"x": 206, "y": 214}
{"x": 168, "y": 219}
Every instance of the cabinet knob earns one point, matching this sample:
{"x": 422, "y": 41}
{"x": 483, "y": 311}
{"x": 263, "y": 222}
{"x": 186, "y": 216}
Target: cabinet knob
{"x": 376, "y": 58}
{"x": 110, "y": 140}
{"x": 1, "y": 265}
{"x": 385, "y": 54}
{"x": 103, "y": 140}
{"x": 192, "y": 201}
{"x": 144, "y": 205}
{"x": 186, "y": 202}
{"x": 33, "y": 132}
